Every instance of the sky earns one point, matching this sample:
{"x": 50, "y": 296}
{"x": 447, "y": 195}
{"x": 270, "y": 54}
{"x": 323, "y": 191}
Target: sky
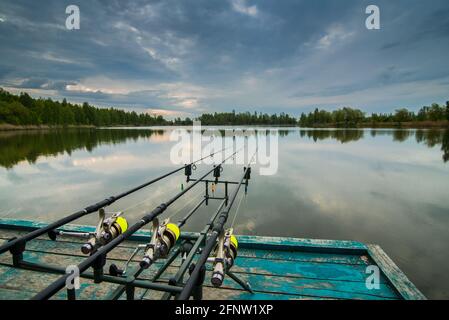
{"x": 187, "y": 57}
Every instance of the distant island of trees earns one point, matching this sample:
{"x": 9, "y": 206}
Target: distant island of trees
{"x": 23, "y": 110}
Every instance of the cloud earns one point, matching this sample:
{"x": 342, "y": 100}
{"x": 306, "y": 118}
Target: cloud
{"x": 166, "y": 113}
{"x": 51, "y": 57}
{"x": 213, "y": 55}
{"x": 334, "y": 35}
{"x": 241, "y": 7}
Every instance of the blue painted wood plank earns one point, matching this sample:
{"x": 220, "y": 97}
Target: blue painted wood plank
{"x": 313, "y": 288}
{"x": 328, "y": 263}
{"x": 63, "y": 245}
{"x": 396, "y": 277}
{"x": 211, "y": 293}
{"x": 312, "y": 270}
{"x": 260, "y": 283}
{"x": 302, "y": 288}
{"x": 299, "y": 256}
{"x": 252, "y": 242}
{"x": 13, "y": 294}
{"x": 315, "y": 270}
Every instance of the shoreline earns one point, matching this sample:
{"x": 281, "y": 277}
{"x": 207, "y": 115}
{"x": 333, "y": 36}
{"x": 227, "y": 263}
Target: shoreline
{"x": 12, "y": 127}
{"x": 389, "y": 125}
{"x": 384, "y": 125}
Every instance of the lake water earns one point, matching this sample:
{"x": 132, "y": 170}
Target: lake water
{"x": 388, "y": 187}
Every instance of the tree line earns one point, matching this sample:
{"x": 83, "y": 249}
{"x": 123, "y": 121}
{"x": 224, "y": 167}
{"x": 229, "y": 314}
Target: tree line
{"x": 24, "y": 110}
{"x": 348, "y": 117}
{"x": 246, "y": 118}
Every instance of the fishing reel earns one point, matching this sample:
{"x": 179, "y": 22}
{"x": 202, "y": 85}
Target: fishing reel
{"x": 163, "y": 238}
{"x": 225, "y": 254}
{"x": 107, "y": 230}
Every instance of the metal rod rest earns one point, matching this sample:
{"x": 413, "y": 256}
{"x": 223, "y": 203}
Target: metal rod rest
{"x": 210, "y": 244}
{"x": 185, "y": 265}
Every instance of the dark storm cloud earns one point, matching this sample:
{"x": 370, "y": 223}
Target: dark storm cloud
{"x": 209, "y": 55}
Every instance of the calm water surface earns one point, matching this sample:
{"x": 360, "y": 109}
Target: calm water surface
{"x": 388, "y": 187}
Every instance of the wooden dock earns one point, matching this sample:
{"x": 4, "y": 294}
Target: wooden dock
{"x": 276, "y": 268}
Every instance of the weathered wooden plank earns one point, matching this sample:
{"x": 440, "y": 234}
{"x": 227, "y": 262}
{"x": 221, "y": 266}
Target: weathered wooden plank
{"x": 261, "y": 283}
{"x": 397, "y": 278}
{"x": 305, "y": 245}
{"x": 210, "y": 293}
{"x": 74, "y": 249}
{"x": 23, "y": 284}
{"x": 299, "y": 256}
{"x": 14, "y": 294}
{"x": 321, "y": 270}
{"x": 89, "y": 291}
{"x": 259, "y": 253}
{"x": 67, "y": 246}
{"x": 247, "y": 267}
{"x": 301, "y": 288}
{"x": 252, "y": 242}
{"x": 302, "y": 268}
{"x": 23, "y": 280}
{"x": 312, "y": 270}
{"x": 333, "y": 289}
{"x": 312, "y": 288}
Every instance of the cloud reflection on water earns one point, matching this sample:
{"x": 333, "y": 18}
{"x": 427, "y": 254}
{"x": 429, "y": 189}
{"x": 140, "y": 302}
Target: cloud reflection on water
{"x": 387, "y": 187}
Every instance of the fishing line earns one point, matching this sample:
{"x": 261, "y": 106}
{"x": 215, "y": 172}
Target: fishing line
{"x": 243, "y": 195}
{"x": 237, "y": 210}
{"x": 146, "y": 199}
{"x": 137, "y": 204}
{"x": 199, "y": 194}
{"x": 187, "y": 203}
{"x": 7, "y": 213}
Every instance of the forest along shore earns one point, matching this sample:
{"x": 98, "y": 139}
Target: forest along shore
{"x": 385, "y": 125}
{"x": 22, "y": 112}
{"x": 11, "y": 127}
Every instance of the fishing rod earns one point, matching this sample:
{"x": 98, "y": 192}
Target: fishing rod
{"x": 18, "y": 244}
{"x": 227, "y": 240}
{"x": 186, "y": 249}
{"x": 164, "y": 235}
{"x": 99, "y": 256}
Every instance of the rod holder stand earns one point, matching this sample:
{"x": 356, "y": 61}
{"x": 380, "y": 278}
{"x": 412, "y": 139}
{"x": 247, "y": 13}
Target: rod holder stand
{"x": 17, "y": 252}
{"x": 197, "y": 291}
{"x": 98, "y": 268}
